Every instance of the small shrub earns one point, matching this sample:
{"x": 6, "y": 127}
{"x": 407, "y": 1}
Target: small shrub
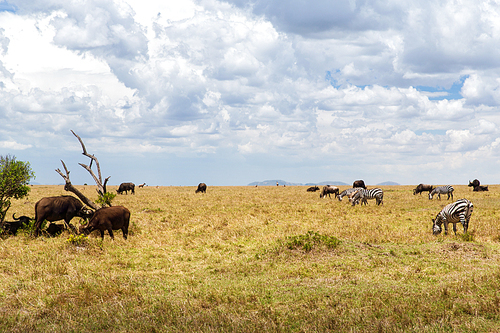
{"x": 77, "y": 240}
{"x": 105, "y": 199}
{"x": 29, "y": 228}
{"x": 307, "y": 241}
{"x": 468, "y": 237}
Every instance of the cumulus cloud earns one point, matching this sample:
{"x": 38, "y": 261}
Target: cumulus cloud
{"x": 323, "y": 81}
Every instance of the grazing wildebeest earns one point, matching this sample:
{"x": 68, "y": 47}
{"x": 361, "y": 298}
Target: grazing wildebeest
{"x": 202, "y": 187}
{"x": 359, "y": 183}
{"x": 422, "y": 188}
{"x": 474, "y": 183}
{"x": 446, "y": 189}
{"x": 125, "y": 187}
{"x": 458, "y": 211}
{"x": 329, "y": 189}
{"x": 59, "y": 208}
{"x": 141, "y": 185}
{"x": 313, "y": 189}
{"x": 480, "y": 188}
{"x": 108, "y": 218}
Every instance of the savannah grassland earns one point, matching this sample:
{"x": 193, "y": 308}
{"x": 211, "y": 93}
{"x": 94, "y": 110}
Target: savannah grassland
{"x": 265, "y": 259}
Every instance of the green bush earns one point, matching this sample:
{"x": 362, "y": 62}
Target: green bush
{"x": 105, "y": 199}
{"x": 309, "y": 240}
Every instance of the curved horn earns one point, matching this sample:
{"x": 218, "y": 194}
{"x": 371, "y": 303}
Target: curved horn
{"x": 14, "y": 217}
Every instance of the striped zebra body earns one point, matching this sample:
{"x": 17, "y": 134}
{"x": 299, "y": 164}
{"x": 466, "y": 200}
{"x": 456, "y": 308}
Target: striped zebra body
{"x": 365, "y": 195}
{"x": 348, "y": 191}
{"x": 447, "y": 189}
{"x": 458, "y": 211}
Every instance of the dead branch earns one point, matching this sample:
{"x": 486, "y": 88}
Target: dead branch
{"x": 98, "y": 179}
{"x": 101, "y": 187}
{"x": 70, "y": 188}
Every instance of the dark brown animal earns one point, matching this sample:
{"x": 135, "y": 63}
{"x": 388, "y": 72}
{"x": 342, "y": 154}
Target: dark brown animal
{"x": 329, "y": 189}
{"x": 141, "y": 185}
{"x": 108, "y": 218}
{"x": 13, "y": 227}
{"x": 125, "y": 187}
{"x": 422, "y": 188}
{"x": 474, "y": 183}
{"x": 480, "y": 188}
{"x": 359, "y": 183}
{"x": 54, "y": 229}
{"x": 313, "y": 189}
{"x": 202, "y": 187}
{"x": 22, "y": 219}
{"x": 59, "y": 208}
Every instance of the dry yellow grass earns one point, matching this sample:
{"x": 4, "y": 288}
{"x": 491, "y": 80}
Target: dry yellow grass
{"x": 221, "y": 262}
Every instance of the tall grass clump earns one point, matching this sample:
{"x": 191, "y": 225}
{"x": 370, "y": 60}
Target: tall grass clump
{"x": 310, "y": 240}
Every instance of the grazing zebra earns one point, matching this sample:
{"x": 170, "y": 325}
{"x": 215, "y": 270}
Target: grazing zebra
{"x": 447, "y": 189}
{"x": 365, "y": 195}
{"x": 458, "y": 211}
{"x": 348, "y": 191}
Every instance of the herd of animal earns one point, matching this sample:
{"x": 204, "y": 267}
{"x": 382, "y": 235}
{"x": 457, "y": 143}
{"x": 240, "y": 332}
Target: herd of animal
{"x": 459, "y": 211}
{"x": 67, "y": 207}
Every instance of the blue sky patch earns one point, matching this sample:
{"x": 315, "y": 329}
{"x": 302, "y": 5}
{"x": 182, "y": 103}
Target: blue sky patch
{"x": 433, "y": 132}
{"x": 440, "y": 93}
{"x": 7, "y": 7}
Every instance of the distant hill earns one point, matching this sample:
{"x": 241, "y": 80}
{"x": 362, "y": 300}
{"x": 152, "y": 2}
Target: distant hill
{"x": 330, "y": 182}
{"x": 273, "y": 183}
{"x": 283, "y": 182}
{"x": 388, "y": 184}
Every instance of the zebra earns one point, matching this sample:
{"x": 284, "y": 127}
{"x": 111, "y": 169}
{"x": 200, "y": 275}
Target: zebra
{"x": 348, "y": 191}
{"x": 458, "y": 211}
{"x": 364, "y": 195}
{"x": 447, "y": 189}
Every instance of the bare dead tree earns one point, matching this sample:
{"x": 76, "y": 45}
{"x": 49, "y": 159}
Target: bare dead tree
{"x": 101, "y": 187}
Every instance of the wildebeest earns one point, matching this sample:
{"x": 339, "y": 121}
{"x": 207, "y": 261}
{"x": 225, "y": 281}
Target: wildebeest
{"x": 474, "y": 183}
{"x": 125, "y": 187}
{"x": 480, "y": 188}
{"x": 141, "y": 185}
{"x": 202, "y": 187}
{"x": 329, "y": 189}
{"x": 108, "y": 218}
{"x": 359, "y": 183}
{"x": 422, "y": 188}
{"x": 313, "y": 189}
{"x": 59, "y": 208}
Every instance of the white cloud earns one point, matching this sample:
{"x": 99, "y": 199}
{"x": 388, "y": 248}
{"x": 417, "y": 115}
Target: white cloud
{"x": 12, "y": 145}
{"x": 329, "y": 82}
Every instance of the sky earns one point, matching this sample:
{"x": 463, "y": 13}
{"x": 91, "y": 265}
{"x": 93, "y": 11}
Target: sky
{"x": 231, "y": 92}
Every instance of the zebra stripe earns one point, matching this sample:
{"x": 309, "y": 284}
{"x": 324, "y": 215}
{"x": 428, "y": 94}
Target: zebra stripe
{"x": 348, "y": 191}
{"x": 458, "y": 211}
{"x": 364, "y": 195}
{"x": 447, "y": 189}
